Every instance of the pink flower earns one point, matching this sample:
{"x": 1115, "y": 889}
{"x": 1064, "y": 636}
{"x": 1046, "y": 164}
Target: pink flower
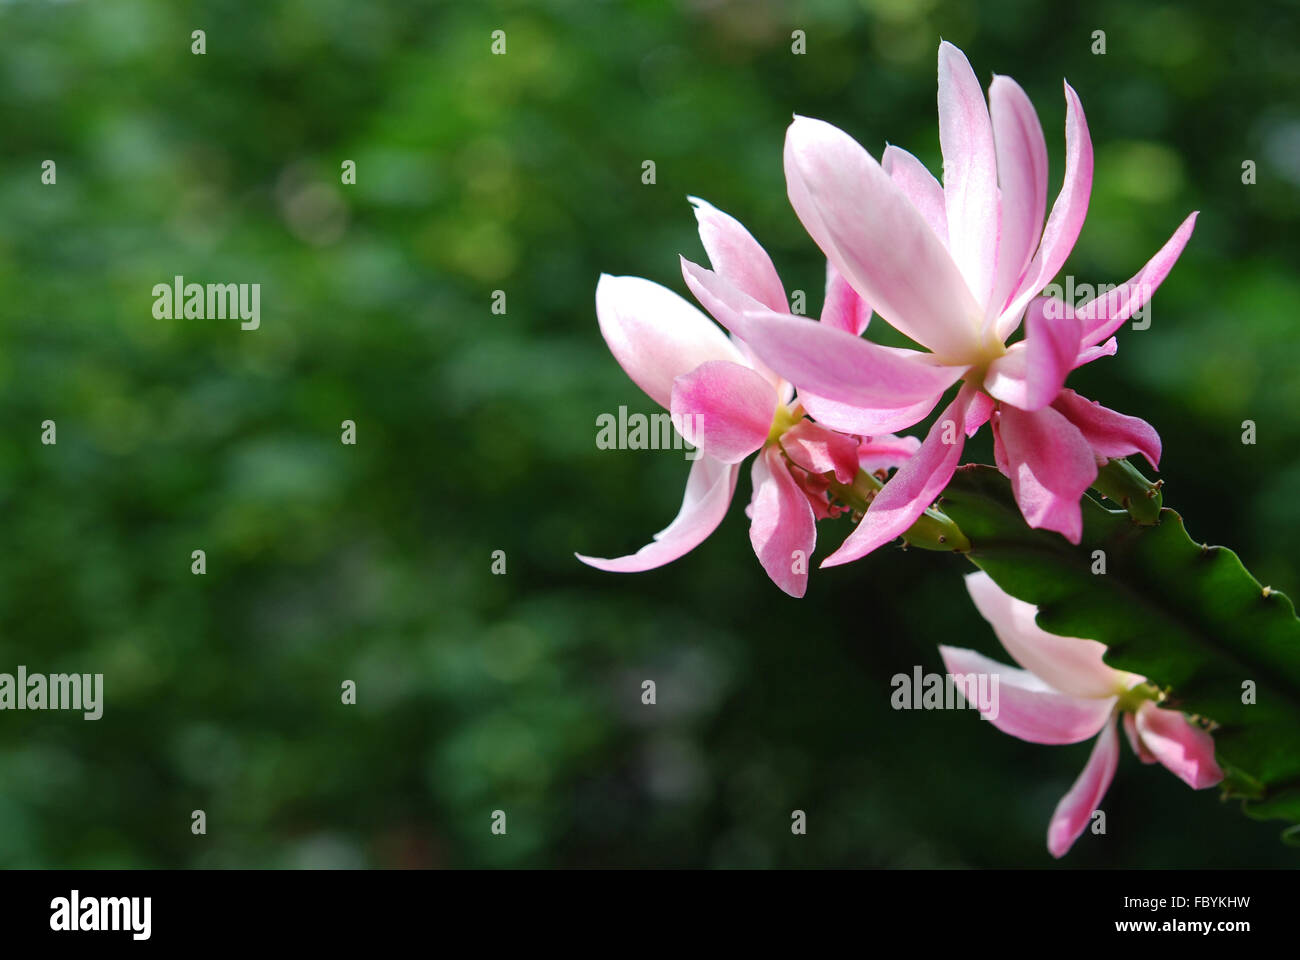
{"x": 1067, "y": 694}
{"x": 955, "y": 268}
{"x": 730, "y": 405}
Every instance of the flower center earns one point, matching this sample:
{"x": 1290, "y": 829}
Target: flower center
{"x": 784, "y": 419}
{"x": 1131, "y": 700}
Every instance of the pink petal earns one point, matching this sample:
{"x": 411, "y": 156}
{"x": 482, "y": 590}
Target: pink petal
{"x": 655, "y": 335}
{"x": 738, "y": 258}
{"x": 725, "y": 409}
{"x": 1075, "y": 810}
{"x": 866, "y": 421}
{"x": 1185, "y": 750}
{"x": 876, "y": 238}
{"x": 839, "y": 366}
{"x": 1135, "y": 740}
{"x": 1067, "y": 664}
{"x": 708, "y": 494}
{"x": 1066, "y": 219}
{"x": 784, "y": 390}
{"x": 978, "y": 413}
{"x": 1050, "y": 465}
{"x": 887, "y": 452}
{"x": 819, "y": 450}
{"x": 1025, "y": 706}
{"x": 970, "y": 172}
{"x": 843, "y": 308}
{"x": 1022, "y": 175}
{"x": 1110, "y": 434}
{"x": 1089, "y": 354}
{"x": 782, "y": 530}
{"x": 1029, "y": 376}
{"x": 716, "y": 294}
{"x": 727, "y": 303}
{"x": 908, "y": 492}
{"x": 919, "y": 186}
{"x": 1105, "y": 314}
{"x": 815, "y": 487}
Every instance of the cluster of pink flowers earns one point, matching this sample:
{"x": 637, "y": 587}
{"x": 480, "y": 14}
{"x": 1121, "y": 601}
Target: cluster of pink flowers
{"x": 956, "y": 268}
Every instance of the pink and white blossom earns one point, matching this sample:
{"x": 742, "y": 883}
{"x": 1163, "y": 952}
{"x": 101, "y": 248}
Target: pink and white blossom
{"x": 955, "y": 267}
{"x": 1065, "y": 693}
{"x": 737, "y": 407}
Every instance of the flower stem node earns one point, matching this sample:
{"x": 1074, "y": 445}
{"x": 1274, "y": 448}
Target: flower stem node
{"x": 933, "y": 530}
{"x": 1130, "y": 701}
{"x": 1120, "y": 481}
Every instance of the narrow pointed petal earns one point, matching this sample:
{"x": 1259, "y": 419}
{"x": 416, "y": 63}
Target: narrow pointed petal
{"x": 784, "y": 389}
{"x": 1050, "y": 465}
{"x": 725, "y": 409}
{"x": 866, "y": 421}
{"x": 1185, "y": 750}
{"x": 841, "y": 367}
{"x": 708, "y": 494}
{"x": 970, "y": 172}
{"x": 1030, "y": 375}
{"x": 1135, "y": 740}
{"x": 1065, "y": 220}
{"x": 1075, "y": 810}
{"x": 819, "y": 450}
{"x": 918, "y": 185}
{"x": 887, "y": 452}
{"x": 1110, "y": 434}
{"x": 978, "y": 413}
{"x": 737, "y": 257}
{"x": 1105, "y": 314}
{"x": 914, "y": 487}
{"x": 876, "y": 238}
{"x": 1068, "y": 664}
{"x": 716, "y": 294}
{"x": 1089, "y": 354}
{"x": 1024, "y": 706}
{"x": 655, "y": 335}
{"x": 1022, "y": 176}
{"x": 728, "y": 303}
{"x": 782, "y": 530}
{"x": 843, "y": 309}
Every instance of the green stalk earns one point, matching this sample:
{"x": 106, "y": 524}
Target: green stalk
{"x": 933, "y": 530}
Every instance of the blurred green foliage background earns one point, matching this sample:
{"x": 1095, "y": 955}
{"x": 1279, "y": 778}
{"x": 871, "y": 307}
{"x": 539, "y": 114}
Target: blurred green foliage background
{"x": 476, "y": 432}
